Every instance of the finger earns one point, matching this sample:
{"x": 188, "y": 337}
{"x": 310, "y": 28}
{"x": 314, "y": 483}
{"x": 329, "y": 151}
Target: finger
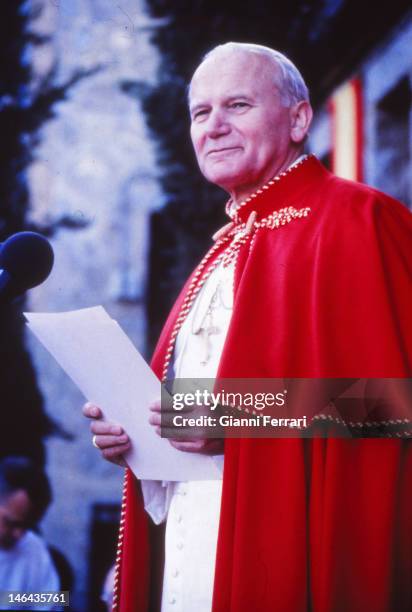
{"x": 214, "y": 446}
{"x": 155, "y": 419}
{"x": 104, "y": 428}
{"x": 174, "y": 432}
{"x": 166, "y": 420}
{"x": 115, "y": 453}
{"x": 117, "y": 461}
{"x": 91, "y": 411}
{"x": 110, "y": 441}
{"x": 155, "y": 406}
{"x": 195, "y": 446}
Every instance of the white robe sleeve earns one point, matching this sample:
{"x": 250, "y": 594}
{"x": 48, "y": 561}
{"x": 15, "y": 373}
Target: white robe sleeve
{"x": 157, "y": 495}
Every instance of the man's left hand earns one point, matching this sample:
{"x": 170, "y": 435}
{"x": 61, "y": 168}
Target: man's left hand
{"x": 207, "y": 446}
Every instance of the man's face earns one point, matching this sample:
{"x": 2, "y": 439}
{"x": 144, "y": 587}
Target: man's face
{"x": 240, "y": 130}
{"x": 15, "y": 515}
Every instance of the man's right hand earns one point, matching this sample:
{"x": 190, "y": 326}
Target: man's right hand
{"x": 110, "y": 438}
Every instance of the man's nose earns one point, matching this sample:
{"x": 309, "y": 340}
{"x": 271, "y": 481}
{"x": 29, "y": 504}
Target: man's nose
{"x": 217, "y": 124}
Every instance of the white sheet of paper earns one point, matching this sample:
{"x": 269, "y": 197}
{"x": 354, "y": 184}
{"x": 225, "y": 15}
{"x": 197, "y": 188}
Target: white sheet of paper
{"x": 102, "y": 361}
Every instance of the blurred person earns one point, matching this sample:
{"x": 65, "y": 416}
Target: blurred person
{"x": 25, "y": 563}
{"x": 311, "y": 278}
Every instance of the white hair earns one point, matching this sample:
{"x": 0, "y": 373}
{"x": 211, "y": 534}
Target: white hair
{"x": 293, "y": 88}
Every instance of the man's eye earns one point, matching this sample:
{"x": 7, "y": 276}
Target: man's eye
{"x": 200, "y": 113}
{"x": 239, "y": 105}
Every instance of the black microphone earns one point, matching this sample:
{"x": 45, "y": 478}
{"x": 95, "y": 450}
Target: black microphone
{"x": 26, "y": 260}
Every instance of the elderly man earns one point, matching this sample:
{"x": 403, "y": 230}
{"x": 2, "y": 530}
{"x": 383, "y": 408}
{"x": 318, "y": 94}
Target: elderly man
{"x": 311, "y": 278}
{"x": 25, "y": 563}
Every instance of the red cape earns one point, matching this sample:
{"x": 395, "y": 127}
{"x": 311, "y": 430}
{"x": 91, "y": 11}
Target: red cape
{"x": 322, "y": 524}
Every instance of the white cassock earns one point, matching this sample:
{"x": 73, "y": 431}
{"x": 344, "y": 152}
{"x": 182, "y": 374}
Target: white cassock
{"x": 192, "y": 508}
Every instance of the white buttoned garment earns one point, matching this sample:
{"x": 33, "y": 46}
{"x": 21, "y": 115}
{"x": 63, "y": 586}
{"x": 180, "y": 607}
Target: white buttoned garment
{"x": 192, "y": 508}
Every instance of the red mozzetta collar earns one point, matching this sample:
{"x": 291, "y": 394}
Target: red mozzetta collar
{"x": 279, "y": 192}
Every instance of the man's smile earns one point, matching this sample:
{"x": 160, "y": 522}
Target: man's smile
{"x": 222, "y": 151}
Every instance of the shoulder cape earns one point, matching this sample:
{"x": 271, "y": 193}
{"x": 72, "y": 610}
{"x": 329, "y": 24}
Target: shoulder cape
{"x": 321, "y": 524}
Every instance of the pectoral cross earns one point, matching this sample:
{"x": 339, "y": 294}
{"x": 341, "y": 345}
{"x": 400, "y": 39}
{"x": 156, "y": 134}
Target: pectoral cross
{"x": 205, "y": 333}
{"x": 207, "y": 328}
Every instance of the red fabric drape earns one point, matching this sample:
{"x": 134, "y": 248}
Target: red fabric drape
{"x": 134, "y": 585}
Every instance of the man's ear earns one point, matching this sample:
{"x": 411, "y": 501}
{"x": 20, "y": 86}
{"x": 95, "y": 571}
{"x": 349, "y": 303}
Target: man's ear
{"x": 301, "y": 118}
